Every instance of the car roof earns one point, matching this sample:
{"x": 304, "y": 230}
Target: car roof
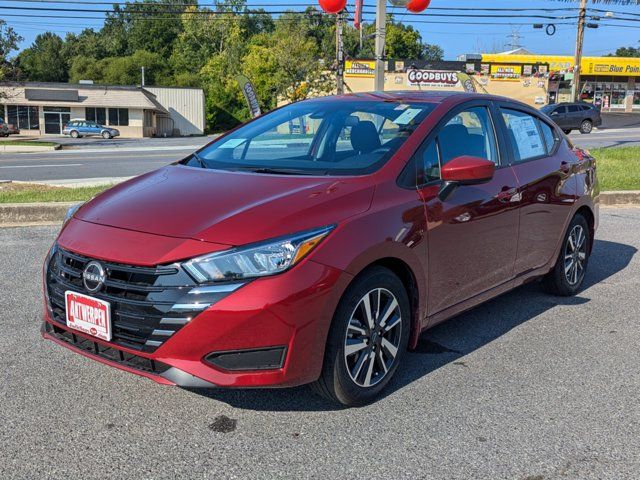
{"x": 426, "y": 96}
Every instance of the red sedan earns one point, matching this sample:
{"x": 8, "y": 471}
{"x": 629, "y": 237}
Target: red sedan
{"x": 315, "y": 243}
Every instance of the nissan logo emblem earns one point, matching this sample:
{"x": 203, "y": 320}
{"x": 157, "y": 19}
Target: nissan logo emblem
{"x": 93, "y": 276}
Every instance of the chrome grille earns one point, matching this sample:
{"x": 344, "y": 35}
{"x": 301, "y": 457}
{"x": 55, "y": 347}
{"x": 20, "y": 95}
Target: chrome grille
{"x": 148, "y": 304}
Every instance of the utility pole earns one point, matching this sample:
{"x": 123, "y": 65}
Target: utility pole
{"x": 381, "y": 30}
{"x": 339, "y": 56}
{"x": 575, "y": 87}
{"x": 142, "y": 71}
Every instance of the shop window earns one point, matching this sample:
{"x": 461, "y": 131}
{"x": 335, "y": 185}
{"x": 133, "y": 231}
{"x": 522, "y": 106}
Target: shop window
{"x": 24, "y": 117}
{"x": 118, "y": 117}
{"x": 98, "y": 115}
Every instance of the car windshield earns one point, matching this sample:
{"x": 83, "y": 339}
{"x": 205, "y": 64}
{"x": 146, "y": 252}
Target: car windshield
{"x": 317, "y": 137}
{"x": 548, "y": 108}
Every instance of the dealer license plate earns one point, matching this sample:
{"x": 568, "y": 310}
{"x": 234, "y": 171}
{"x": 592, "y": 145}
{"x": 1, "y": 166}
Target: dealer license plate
{"x": 88, "y": 315}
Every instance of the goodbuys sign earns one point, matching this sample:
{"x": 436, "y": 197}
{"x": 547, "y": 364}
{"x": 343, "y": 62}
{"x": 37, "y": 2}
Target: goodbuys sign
{"x": 432, "y": 78}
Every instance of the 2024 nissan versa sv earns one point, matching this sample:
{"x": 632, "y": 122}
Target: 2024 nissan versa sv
{"x": 316, "y": 242}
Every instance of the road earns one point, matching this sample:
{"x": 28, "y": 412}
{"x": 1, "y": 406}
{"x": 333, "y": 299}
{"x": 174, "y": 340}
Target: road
{"x": 527, "y": 386}
{"x": 608, "y": 138}
{"x": 100, "y": 159}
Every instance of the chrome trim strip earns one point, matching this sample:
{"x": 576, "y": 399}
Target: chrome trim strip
{"x": 175, "y": 321}
{"x": 225, "y": 288}
{"x": 153, "y": 343}
{"x": 190, "y": 306}
{"x": 164, "y": 333}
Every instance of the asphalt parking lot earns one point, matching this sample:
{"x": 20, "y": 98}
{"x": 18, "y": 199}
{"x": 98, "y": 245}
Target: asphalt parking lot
{"x": 527, "y": 386}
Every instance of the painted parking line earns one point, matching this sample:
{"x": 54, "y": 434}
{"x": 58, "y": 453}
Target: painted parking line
{"x": 45, "y": 166}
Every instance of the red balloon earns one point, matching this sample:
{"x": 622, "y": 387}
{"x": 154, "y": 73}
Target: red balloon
{"x": 416, "y": 6}
{"x": 332, "y": 6}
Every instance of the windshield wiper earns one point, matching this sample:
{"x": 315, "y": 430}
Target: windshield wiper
{"x": 199, "y": 159}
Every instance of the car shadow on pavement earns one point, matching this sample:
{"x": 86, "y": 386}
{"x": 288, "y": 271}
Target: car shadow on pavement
{"x": 448, "y": 342}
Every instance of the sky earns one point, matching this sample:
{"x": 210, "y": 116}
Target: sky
{"x": 454, "y": 39}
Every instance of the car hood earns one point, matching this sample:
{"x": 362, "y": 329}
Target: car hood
{"x": 231, "y": 208}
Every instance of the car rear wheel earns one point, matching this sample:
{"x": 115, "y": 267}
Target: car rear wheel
{"x": 367, "y": 340}
{"x": 74, "y": 134}
{"x": 567, "y": 275}
{"x": 106, "y": 135}
{"x": 586, "y": 126}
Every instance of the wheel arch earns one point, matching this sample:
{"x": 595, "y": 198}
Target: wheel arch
{"x": 587, "y": 213}
{"x": 408, "y": 278}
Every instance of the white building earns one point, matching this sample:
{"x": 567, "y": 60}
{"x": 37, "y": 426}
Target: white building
{"x": 44, "y": 108}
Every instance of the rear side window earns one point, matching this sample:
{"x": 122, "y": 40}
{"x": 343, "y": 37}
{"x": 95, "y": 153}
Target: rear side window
{"x": 574, "y": 108}
{"x": 524, "y": 135}
{"x": 548, "y": 135}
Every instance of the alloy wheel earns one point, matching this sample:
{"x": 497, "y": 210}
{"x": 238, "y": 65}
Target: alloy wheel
{"x": 575, "y": 255}
{"x": 373, "y": 337}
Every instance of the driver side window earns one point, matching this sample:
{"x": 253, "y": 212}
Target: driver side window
{"x": 469, "y": 133}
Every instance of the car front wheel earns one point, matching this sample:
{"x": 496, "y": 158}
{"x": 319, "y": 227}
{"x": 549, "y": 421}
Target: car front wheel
{"x": 567, "y": 275}
{"x": 367, "y": 340}
{"x": 106, "y": 135}
{"x": 586, "y": 126}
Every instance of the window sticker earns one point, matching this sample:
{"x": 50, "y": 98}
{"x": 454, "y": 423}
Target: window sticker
{"x": 233, "y": 143}
{"x": 402, "y": 106}
{"x": 527, "y": 137}
{"x": 407, "y": 116}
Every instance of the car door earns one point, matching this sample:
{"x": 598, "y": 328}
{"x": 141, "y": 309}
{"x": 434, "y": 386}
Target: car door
{"x": 559, "y": 116}
{"x": 574, "y": 116}
{"x": 543, "y": 162}
{"x": 472, "y": 231}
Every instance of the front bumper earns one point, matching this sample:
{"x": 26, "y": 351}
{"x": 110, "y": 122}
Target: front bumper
{"x": 292, "y": 311}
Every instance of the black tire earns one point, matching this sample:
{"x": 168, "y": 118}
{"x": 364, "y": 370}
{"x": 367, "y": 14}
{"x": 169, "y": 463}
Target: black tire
{"x": 567, "y": 131}
{"x": 336, "y": 381}
{"x": 558, "y": 281}
{"x": 586, "y": 127}
{"x": 74, "y": 134}
{"x": 106, "y": 135}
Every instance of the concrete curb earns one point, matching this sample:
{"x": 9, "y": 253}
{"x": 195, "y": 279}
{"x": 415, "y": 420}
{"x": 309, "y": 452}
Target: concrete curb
{"x": 623, "y": 197}
{"x": 25, "y": 214}
{"x": 15, "y": 214}
{"x": 28, "y": 148}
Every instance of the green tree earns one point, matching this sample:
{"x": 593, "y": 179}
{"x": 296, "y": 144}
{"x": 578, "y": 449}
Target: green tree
{"x": 9, "y": 40}
{"x": 627, "y": 52}
{"x": 432, "y": 52}
{"x": 150, "y": 25}
{"x": 87, "y": 43}
{"x": 44, "y": 61}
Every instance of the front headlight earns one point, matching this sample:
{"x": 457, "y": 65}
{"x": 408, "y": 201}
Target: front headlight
{"x": 260, "y": 260}
{"x": 71, "y": 212}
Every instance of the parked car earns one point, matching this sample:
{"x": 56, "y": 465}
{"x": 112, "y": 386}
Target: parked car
{"x": 270, "y": 258}
{"x": 574, "y": 116}
{"x": 4, "y": 128}
{"x": 13, "y": 129}
{"x": 85, "y": 128}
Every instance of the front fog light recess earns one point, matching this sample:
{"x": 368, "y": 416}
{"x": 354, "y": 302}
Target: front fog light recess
{"x": 268, "y": 258}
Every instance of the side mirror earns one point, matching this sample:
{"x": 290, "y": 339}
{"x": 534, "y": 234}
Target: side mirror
{"x": 465, "y": 170}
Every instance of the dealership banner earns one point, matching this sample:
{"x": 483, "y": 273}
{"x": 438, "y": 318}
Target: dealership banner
{"x": 432, "y": 78}
{"x": 250, "y": 95}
